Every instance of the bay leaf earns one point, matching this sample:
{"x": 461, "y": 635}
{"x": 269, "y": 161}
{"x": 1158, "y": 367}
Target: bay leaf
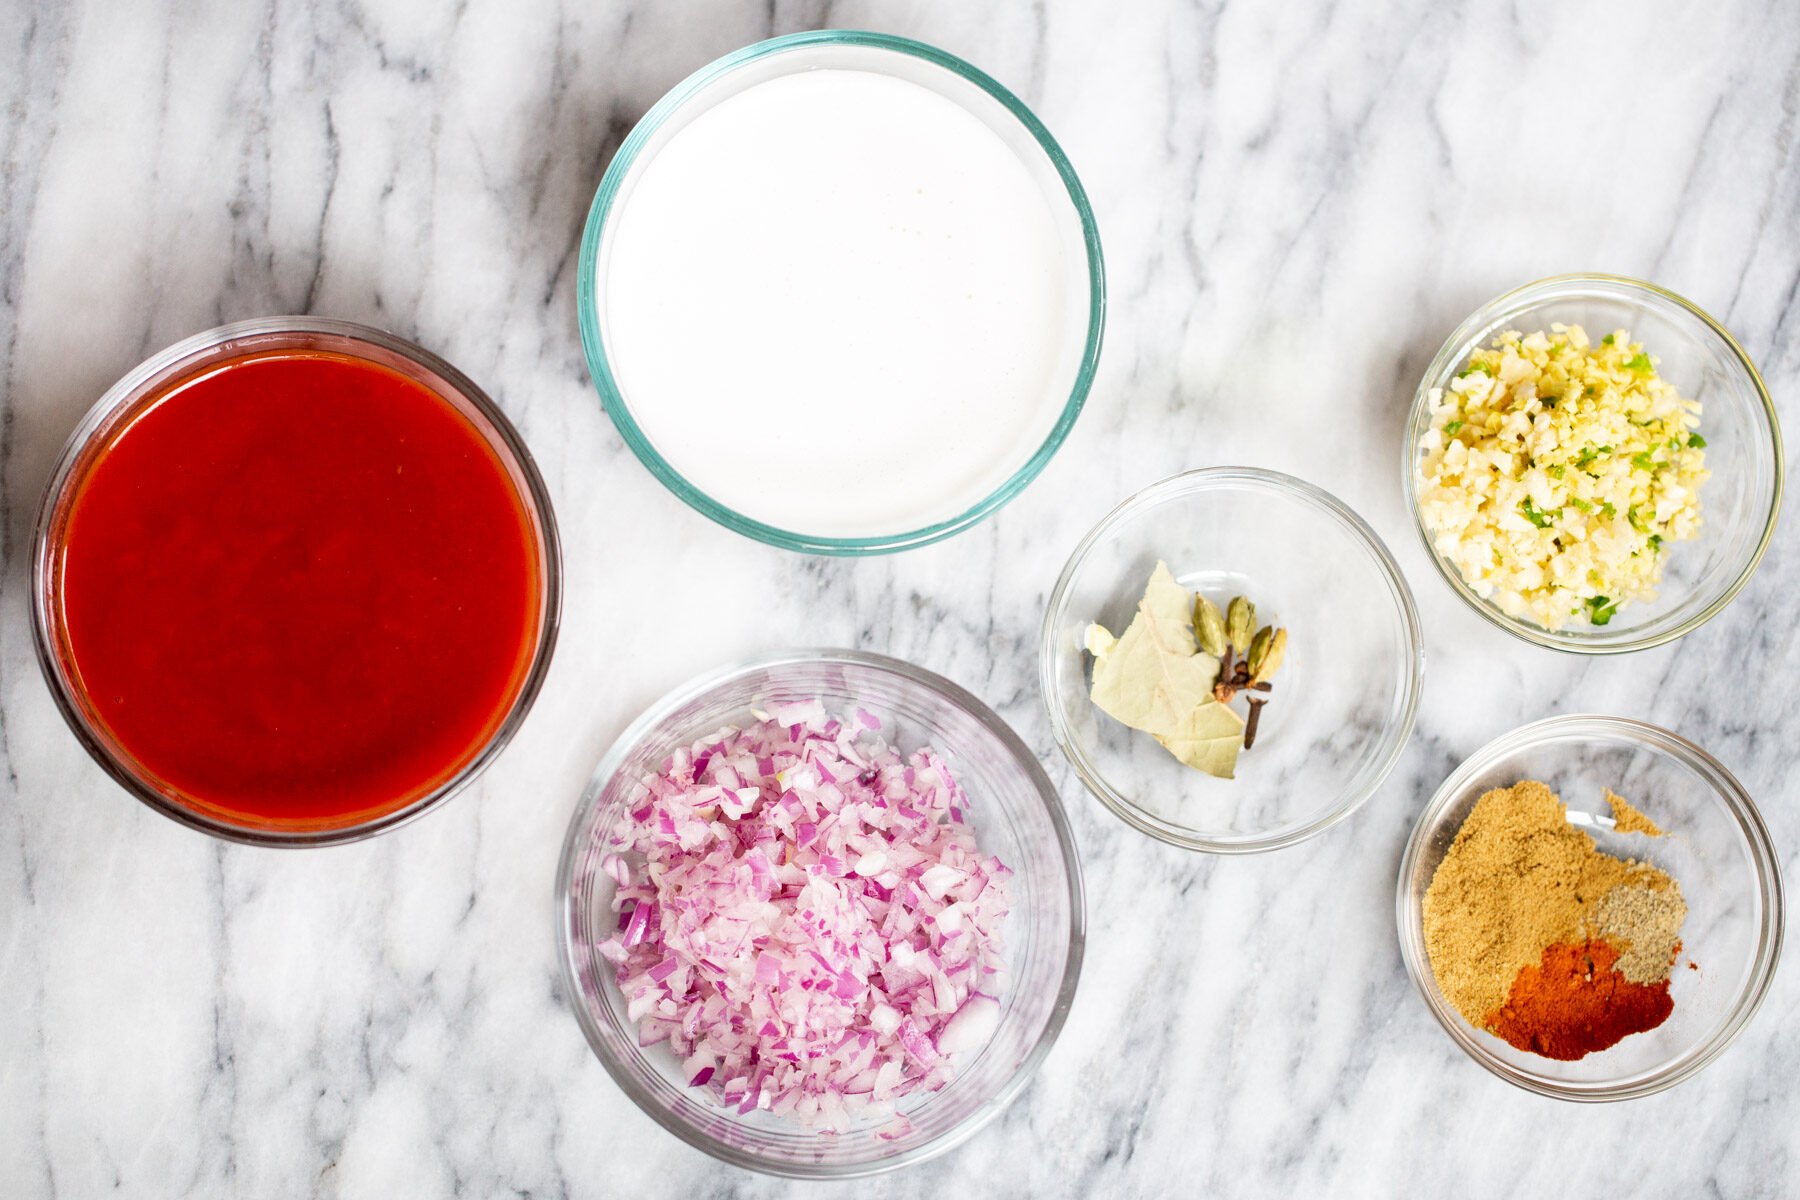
{"x": 1155, "y": 678}
{"x": 1170, "y": 610}
{"x": 1209, "y": 739}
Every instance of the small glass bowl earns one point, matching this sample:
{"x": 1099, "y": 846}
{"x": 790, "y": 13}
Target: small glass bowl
{"x": 1739, "y": 504}
{"x": 1715, "y": 845}
{"x": 1017, "y": 817}
{"x": 191, "y": 357}
{"x": 1343, "y": 701}
{"x": 849, "y": 49}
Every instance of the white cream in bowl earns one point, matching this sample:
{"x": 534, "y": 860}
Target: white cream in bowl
{"x": 840, "y": 303}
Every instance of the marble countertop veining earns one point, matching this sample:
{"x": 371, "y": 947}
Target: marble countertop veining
{"x": 1297, "y": 201}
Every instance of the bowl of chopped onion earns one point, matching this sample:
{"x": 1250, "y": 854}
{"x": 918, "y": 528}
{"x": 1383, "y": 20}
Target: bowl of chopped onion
{"x": 820, "y": 915}
{"x": 1594, "y": 464}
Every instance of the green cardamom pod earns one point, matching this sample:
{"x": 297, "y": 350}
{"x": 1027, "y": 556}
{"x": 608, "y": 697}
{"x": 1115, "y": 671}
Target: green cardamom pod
{"x": 1209, "y": 626}
{"x": 1259, "y": 650}
{"x": 1240, "y": 619}
{"x": 1273, "y": 650}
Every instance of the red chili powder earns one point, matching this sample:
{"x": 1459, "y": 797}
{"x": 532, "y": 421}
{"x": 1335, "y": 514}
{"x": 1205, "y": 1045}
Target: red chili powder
{"x": 1576, "y": 1002}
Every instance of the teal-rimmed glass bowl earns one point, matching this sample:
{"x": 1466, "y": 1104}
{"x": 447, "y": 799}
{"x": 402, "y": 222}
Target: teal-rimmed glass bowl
{"x": 946, "y": 74}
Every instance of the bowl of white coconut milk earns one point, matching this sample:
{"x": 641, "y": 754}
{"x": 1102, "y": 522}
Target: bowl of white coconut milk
{"x": 841, "y": 292}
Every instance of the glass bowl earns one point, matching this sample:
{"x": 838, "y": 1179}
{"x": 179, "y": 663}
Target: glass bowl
{"x": 1016, "y": 815}
{"x": 1739, "y": 504}
{"x": 123, "y": 403}
{"x": 1715, "y": 846}
{"x": 1343, "y": 701}
{"x": 915, "y": 62}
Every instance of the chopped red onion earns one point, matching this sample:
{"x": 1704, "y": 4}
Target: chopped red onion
{"x": 806, "y": 919}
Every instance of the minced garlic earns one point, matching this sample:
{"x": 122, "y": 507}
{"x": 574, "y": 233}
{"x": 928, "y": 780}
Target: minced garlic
{"x": 1555, "y": 471}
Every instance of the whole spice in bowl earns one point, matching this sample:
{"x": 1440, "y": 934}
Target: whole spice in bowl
{"x": 1538, "y": 937}
{"x": 1178, "y": 666}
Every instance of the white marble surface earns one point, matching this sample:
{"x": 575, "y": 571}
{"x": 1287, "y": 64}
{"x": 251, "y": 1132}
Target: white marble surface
{"x": 1298, "y": 201}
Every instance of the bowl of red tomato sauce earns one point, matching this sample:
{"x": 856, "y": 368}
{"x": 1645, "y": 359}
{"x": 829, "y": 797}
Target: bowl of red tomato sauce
{"x": 295, "y": 581}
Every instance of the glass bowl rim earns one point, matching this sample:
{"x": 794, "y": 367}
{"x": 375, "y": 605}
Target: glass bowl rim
{"x": 1409, "y": 914}
{"x": 1290, "y": 487}
{"x": 1647, "y": 295}
{"x": 126, "y": 390}
{"x": 646, "y": 723}
{"x": 613, "y": 400}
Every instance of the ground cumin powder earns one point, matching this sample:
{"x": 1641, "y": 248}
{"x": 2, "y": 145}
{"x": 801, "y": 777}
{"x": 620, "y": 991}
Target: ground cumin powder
{"x": 1526, "y": 918}
{"x": 1627, "y": 819}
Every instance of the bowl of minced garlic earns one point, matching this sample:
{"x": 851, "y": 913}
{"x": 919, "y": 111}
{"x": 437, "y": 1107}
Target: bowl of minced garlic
{"x": 1537, "y": 936}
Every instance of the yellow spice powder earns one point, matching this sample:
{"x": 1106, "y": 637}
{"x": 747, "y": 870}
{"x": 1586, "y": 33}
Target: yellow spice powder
{"x": 1517, "y": 878}
{"x": 1627, "y": 819}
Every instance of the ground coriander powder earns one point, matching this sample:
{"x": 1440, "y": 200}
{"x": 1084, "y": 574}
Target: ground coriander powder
{"x": 1532, "y": 930}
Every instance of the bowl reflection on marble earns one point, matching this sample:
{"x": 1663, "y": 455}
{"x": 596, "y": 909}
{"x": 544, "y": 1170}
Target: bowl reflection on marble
{"x": 1343, "y": 702}
{"x": 1715, "y": 846}
{"x": 1738, "y": 505}
{"x": 1016, "y": 816}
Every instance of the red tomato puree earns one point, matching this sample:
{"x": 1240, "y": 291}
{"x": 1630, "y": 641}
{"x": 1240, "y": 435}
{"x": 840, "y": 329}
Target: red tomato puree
{"x": 299, "y": 589}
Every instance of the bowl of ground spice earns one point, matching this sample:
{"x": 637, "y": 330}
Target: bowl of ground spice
{"x": 1591, "y": 907}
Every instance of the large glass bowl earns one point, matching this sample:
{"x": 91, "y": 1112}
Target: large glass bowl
{"x": 123, "y": 402}
{"x": 1343, "y": 700}
{"x": 1715, "y": 846}
{"x": 1016, "y": 816}
{"x": 903, "y": 58}
{"x": 1739, "y": 504}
